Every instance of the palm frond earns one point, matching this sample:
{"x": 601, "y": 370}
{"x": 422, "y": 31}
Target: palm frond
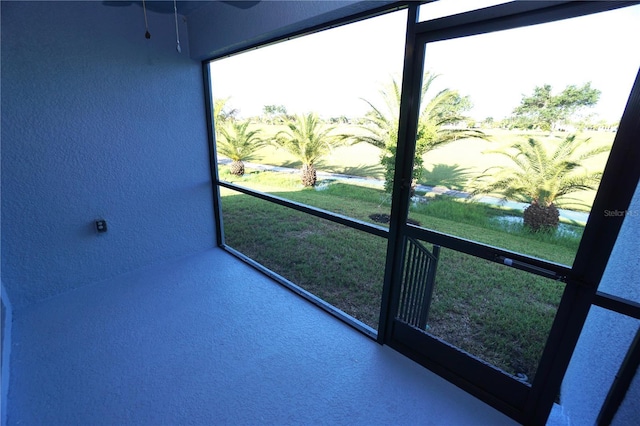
{"x": 239, "y": 143}
{"x": 539, "y": 174}
{"x": 307, "y": 139}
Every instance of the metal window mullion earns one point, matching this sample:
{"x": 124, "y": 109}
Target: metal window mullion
{"x": 405, "y": 149}
{"x": 617, "y": 187}
{"x": 617, "y": 304}
{"x": 618, "y": 184}
{"x": 468, "y": 18}
{"x": 321, "y": 303}
{"x": 254, "y": 44}
{"x": 538, "y": 266}
{"x": 213, "y": 156}
{"x": 510, "y": 15}
{"x": 621, "y": 383}
{"x": 396, "y": 244}
{"x": 313, "y": 211}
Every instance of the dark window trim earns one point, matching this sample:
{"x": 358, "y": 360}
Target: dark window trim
{"x": 511, "y": 15}
{"x": 401, "y": 185}
{"x": 371, "y": 13}
{"x": 457, "y": 366}
{"x": 314, "y": 211}
{"x": 617, "y": 304}
{"x": 617, "y": 187}
{"x": 405, "y": 150}
{"x": 321, "y": 303}
{"x": 536, "y": 266}
{"x": 576, "y": 293}
{"x": 213, "y": 154}
{"x": 588, "y": 266}
{"x": 621, "y": 383}
{"x": 324, "y": 214}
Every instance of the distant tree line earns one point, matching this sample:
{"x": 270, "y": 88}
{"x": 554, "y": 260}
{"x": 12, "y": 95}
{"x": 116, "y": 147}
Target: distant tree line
{"x": 546, "y": 111}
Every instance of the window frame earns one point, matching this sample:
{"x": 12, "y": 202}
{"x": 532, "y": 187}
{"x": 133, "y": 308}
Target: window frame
{"x": 617, "y": 187}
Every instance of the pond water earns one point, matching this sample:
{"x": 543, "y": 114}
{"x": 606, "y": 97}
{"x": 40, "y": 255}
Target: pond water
{"x": 515, "y": 222}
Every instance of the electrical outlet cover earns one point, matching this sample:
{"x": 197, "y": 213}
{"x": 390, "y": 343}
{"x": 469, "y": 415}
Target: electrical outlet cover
{"x": 101, "y": 226}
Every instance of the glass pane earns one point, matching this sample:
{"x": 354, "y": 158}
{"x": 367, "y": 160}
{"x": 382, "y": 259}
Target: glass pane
{"x": 515, "y": 130}
{"x": 498, "y": 314}
{"x": 343, "y": 266}
{"x": 442, "y": 8}
{"x": 310, "y": 101}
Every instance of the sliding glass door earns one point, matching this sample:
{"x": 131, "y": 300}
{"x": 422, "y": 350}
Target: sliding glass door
{"x": 509, "y": 130}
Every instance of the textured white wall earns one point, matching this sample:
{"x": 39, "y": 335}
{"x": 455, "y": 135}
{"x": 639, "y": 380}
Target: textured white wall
{"x": 217, "y": 28}
{"x": 97, "y": 122}
{"x": 606, "y": 336}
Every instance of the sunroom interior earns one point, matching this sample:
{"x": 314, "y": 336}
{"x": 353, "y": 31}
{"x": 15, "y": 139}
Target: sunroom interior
{"x": 169, "y": 317}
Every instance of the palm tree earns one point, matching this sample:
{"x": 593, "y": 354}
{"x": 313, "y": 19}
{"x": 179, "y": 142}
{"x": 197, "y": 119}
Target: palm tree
{"x": 436, "y": 125}
{"x": 542, "y": 177}
{"x": 308, "y": 141}
{"x": 239, "y": 144}
{"x": 221, "y": 111}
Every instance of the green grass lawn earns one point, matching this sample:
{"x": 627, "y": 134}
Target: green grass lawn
{"x": 473, "y": 221}
{"x": 496, "y": 313}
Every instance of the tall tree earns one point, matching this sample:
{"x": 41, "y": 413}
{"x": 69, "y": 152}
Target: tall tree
{"x": 239, "y": 143}
{"x": 307, "y": 140}
{"x": 544, "y": 110}
{"x": 543, "y": 176}
{"x": 272, "y": 112}
{"x": 439, "y": 114}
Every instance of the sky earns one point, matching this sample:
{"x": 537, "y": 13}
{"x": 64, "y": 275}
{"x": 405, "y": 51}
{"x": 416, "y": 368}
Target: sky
{"x": 331, "y": 72}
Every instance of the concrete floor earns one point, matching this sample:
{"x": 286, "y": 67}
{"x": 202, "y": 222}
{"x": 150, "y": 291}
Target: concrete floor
{"x": 208, "y": 340}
